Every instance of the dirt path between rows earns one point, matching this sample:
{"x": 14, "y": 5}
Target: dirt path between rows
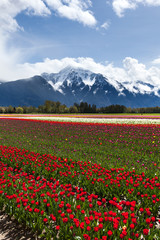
{"x": 11, "y": 230}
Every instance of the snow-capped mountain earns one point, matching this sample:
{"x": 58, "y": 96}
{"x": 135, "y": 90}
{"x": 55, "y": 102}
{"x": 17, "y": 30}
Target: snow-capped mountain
{"x": 74, "y": 85}
{"x": 78, "y": 85}
{"x": 84, "y": 85}
{"x": 69, "y": 76}
{"x": 78, "y": 75}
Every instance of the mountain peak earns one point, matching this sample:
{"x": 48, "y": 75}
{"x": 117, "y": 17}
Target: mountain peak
{"x": 70, "y": 69}
{"x": 71, "y": 74}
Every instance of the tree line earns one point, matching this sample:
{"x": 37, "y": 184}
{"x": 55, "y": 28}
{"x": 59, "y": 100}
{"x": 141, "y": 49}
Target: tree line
{"x": 83, "y": 107}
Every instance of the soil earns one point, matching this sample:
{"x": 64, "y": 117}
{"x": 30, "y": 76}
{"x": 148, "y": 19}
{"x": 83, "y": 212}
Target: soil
{"x": 11, "y": 230}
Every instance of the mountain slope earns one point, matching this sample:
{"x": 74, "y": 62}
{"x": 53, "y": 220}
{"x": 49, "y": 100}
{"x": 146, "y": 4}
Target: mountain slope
{"x": 32, "y": 91}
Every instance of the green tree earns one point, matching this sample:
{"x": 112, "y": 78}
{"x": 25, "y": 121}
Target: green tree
{"x": 19, "y": 110}
{"x": 10, "y": 109}
{"x": 48, "y": 106}
{"x": 73, "y": 109}
{"x": 2, "y": 110}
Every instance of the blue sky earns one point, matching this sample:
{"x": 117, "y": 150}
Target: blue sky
{"x": 119, "y": 38}
{"x": 135, "y": 35}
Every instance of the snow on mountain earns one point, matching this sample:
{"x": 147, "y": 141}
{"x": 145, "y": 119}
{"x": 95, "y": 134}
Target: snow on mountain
{"x": 140, "y": 87}
{"x": 70, "y": 76}
{"x": 88, "y": 81}
{"x": 56, "y": 86}
{"x": 78, "y": 84}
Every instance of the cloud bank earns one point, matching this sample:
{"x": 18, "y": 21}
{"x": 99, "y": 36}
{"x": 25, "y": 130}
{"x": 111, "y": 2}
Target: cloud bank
{"x": 120, "y": 6}
{"x": 132, "y": 75}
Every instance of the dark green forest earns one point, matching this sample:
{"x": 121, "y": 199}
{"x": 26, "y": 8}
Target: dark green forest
{"x": 56, "y": 107}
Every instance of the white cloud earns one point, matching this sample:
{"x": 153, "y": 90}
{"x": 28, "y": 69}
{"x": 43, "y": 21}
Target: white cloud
{"x": 76, "y": 10}
{"x": 8, "y": 57}
{"x": 135, "y": 70}
{"x": 156, "y": 61}
{"x": 9, "y": 9}
{"x": 120, "y": 6}
{"x": 105, "y": 25}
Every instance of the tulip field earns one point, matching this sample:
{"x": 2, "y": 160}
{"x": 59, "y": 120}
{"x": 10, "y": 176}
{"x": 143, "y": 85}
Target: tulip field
{"x": 77, "y": 180}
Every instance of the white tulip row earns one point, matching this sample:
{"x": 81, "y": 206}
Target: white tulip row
{"x": 97, "y": 120}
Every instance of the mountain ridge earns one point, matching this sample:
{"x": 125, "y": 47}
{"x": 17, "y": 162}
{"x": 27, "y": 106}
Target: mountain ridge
{"x": 74, "y": 85}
